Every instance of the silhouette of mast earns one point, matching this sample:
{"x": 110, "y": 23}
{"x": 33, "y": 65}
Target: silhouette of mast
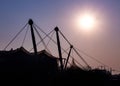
{"x": 59, "y": 47}
{"x": 30, "y": 22}
{"x": 71, "y": 46}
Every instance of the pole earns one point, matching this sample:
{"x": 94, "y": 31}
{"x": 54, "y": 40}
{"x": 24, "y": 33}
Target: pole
{"x": 68, "y": 56}
{"x": 59, "y": 47}
{"x": 30, "y": 22}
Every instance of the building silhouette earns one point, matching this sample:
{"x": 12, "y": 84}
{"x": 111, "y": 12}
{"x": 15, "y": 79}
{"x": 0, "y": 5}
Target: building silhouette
{"x": 22, "y": 60}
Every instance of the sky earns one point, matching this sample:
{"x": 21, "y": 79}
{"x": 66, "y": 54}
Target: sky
{"x": 102, "y": 43}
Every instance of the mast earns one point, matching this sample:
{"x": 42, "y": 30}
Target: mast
{"x": 30, "y": 22}
{"x": 71, "y": 46}
{"x": 59, "y": 47}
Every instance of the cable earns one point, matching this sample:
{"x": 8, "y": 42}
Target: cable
{"x": 68, "y": 56}
{"x": 25, "y": 36}
{"x": 54, "y": 41}
{"x": 41, "y": 39}
{"x": 40, "y": 29}
{"x": 79, "y": 64}
{"x": 81, "y": 57}
{"x": 97, "y": 60}
{"x": 92, "y": 57}
{"x": 73, "y": 57}
{"x": 65, "y": 38}
{"x": 65, "y": 50}
{"x": 50, "y": 39}
{"x": 47, "y": 35}
{"x": 74, "y": 49}
{"x": 15, "y": 37}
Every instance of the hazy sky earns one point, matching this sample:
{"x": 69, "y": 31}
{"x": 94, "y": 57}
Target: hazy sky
{"x": 103, "y": 42}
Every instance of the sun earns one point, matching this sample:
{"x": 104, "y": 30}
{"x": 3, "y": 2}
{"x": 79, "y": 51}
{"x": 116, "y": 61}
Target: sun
{"x": 86, "y": 22}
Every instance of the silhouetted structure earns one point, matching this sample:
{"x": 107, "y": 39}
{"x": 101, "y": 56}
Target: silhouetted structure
{"x": 41, "y": 68}
{"x": 22, "y": 60}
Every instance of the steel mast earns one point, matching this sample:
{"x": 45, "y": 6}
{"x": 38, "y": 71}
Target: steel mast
{"x": 59, "y": 47}
{"x": 30, "y": 22}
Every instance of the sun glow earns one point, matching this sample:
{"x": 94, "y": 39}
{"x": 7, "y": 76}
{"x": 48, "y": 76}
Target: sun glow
{"x": 86, "y": 22}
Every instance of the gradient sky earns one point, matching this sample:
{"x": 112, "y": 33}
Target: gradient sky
{"x": 103, "y": 43}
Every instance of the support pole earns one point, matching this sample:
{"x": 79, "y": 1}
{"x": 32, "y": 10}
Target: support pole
{"x": 59, "y": 47}
{"x": 68, "y": 56}
{"x": 30, "y": 22}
